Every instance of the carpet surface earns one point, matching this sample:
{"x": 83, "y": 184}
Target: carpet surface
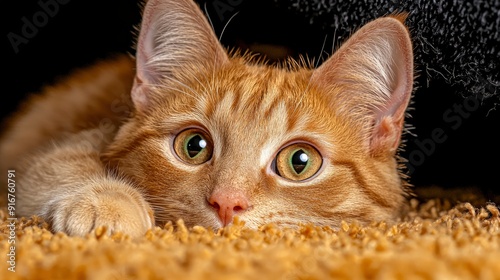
{"x": 436, "y": 239}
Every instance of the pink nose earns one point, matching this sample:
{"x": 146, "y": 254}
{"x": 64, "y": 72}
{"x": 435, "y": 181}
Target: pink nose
{"x": 227, "y": 204}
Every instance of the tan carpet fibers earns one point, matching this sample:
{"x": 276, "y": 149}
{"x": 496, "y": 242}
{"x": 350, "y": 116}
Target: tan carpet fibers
{"x": 435, "y": 240}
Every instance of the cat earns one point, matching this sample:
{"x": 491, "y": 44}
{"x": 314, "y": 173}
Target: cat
{"x": 186, "y": 130}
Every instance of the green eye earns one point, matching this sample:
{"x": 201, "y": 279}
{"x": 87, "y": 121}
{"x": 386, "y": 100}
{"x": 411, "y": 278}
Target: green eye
{"x": 193, "y": 146}
{"x": 298, "y": 162}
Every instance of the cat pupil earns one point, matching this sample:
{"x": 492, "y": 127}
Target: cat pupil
{"x": 195, "y": 145}
{"x": 299, "y": 161}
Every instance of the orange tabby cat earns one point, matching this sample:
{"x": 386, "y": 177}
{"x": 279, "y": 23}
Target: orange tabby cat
{"x": 187, "y": 131}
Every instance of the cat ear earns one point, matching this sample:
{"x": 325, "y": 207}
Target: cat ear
{"x": 372, "y": 75}
{"x": 175, "y": 37}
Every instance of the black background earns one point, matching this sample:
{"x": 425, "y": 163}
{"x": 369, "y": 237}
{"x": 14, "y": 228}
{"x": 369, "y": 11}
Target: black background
{"x": 82, "y": 32}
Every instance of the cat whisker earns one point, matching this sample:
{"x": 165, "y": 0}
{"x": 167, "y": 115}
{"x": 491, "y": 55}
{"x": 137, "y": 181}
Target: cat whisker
{"x": 176, "y": 82}
{"x": 191, "y": 95}
{"x": 162, "y": 203}
{"x": 166, "y": 209}
{"x": 208, "y": 15}
{"x": 205, "y": 89}
{"x": 213, "y": 28}
{"x": 226, "y": 25}
{"x": 310, "y": 78}
{"x": 216, "y": 54}
{"x": 162, "y": 212}
{"x": 333, "y": 41}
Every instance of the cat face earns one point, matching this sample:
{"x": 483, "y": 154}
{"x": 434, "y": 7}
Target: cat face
{"x": 216, "y": 137}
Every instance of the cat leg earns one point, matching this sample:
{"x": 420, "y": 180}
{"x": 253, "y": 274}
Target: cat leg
{"x": 68, "y": 186}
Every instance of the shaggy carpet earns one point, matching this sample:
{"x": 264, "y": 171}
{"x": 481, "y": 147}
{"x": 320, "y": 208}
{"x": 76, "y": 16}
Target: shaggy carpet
{"x": 436, "y": 239}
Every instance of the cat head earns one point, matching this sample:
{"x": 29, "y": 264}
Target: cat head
{"x": 217, "y": 136}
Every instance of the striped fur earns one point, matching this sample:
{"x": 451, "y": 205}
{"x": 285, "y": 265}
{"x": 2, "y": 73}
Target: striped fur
{"x": 351, "y": 110}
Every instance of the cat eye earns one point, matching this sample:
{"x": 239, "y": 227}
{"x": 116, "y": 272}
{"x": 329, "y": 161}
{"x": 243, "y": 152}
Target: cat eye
{"x": 298, "y": 162}
{"x": 193, "y": 146}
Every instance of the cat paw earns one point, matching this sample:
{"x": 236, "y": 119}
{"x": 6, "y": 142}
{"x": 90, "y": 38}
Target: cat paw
{"x": 114, "y": 205}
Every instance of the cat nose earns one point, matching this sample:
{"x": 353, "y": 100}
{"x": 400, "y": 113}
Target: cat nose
{"x": 227, "y": 204}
